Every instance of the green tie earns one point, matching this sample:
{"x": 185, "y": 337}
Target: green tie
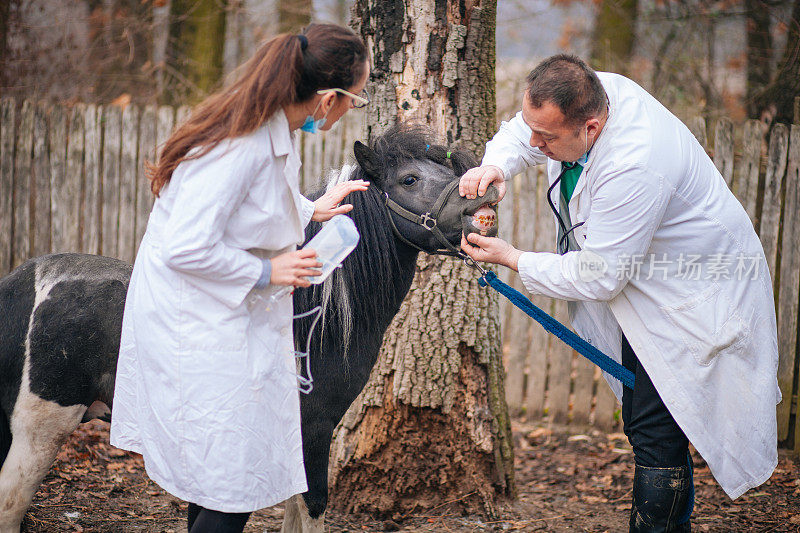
{"x": 570, "y": 172}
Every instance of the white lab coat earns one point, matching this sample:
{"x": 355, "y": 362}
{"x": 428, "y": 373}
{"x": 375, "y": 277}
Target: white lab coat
{"x": 206, "y": 388}
{"x": 650, "y": 194}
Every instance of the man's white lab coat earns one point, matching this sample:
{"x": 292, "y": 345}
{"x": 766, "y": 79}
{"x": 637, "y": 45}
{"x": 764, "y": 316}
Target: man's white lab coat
{"x": 669, "y": 256}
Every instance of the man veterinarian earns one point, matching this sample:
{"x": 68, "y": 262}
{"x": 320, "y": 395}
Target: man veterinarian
{"x": 662, "y": 270}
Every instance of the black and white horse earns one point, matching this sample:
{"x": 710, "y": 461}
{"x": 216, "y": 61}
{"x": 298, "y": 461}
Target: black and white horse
{"x": 60, "y": 321}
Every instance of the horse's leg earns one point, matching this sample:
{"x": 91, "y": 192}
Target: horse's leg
{"x": 305, "y": 513}
{"x": 38, "y": 430}
{"x": 297, "y": 520}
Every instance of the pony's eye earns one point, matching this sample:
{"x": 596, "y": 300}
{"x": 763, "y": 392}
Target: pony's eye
{"x": 410, "y": 180}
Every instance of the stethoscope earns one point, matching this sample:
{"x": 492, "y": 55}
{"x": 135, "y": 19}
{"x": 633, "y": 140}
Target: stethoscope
{"x": 563, "y": 242}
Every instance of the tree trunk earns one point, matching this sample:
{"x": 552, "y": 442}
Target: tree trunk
{"x": 5, "y": 21}
{"x": 120, "y": 49}
{"x": 776, "y": 102}
{"x": 161, "y": 11}
{"x": 247, "y": 24}
{"x": 614, "y": 33}
{"x": 293, "y": 15}
{"x": 197, "y": 31}
{"x": 432, "y": 424}
{"x": 758, "y": 52}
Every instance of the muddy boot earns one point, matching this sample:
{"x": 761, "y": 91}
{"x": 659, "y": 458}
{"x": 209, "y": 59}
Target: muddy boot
{"x": 663, "y": 499}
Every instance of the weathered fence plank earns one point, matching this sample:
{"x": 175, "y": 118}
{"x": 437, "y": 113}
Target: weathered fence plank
{"x": 62, "y": 217}
{"x": 181, "y": 115}
{"x": 773, "y": 185}
{"x": 128, "y": 173}
{"x": 8, "y": 108}
{"x": 605, "y": 404}
{"x": 333, "y": 149}
{"x": 746, "y": 184}
{"x": 723, "y": 149}
{"x": 559, "y": 376}
{"x": 93, "y": 131}
{"x": 147, "y": 152}
{"x": 41, "y": 188}
{"x": 166, "y": 120}
{"x": 697, "y": 125}
{"x": 507, "y": 212}
{"x": 22, "y": 186}
{"x": 789, "y": 287}
{"x": 109, "y": 230}
{"x": 537, "y": 356}
{"x": 582, "y": 394}
{"x": 520, "y": 228}
{"x": 317, "y": 151}
{"x": 559, "y": 356}
{"x": 73, "y": 181}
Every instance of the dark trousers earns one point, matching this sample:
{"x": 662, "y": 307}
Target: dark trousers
{"x": 202, "y": 520}
{"x": 655, "y": 436}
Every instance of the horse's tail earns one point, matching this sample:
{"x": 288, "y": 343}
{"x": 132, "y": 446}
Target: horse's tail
{"x": 5, "y": 436}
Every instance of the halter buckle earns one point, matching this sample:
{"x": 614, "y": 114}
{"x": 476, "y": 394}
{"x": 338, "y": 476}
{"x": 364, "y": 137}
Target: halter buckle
{"x": 424, "y": 219}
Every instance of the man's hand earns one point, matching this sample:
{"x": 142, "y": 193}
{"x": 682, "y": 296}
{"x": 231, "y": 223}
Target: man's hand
{"x": 490, "y": 250}
{"x": 327, "y": 206}
{"x": 478, "y": 179}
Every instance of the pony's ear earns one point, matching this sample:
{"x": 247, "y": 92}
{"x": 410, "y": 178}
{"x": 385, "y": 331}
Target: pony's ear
{"x": 367, "y": 159}
{"x": 462, "y": 161}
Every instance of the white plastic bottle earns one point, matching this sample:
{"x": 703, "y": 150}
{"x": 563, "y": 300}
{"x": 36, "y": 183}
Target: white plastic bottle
{"x": 333, "y": 243}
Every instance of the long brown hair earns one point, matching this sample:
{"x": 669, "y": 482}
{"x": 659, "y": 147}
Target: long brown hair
{"x": 285, "y": 70}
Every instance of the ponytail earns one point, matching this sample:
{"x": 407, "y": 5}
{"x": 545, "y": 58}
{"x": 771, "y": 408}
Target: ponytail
{"x": 286, "y": 69}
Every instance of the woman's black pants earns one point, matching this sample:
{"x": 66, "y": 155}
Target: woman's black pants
{"x": 663, "y": 491}
{"x": 202, "y": 520}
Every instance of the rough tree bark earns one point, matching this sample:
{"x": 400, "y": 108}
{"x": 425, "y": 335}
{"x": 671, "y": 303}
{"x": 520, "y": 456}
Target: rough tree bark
{"x": 432, "y": 424}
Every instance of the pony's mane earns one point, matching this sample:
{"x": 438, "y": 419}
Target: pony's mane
{"x": 361, "y": 289}
{"x": 405, "y": 141}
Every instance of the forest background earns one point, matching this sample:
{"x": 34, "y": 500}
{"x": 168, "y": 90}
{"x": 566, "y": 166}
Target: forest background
{"x": 737, "y": 58}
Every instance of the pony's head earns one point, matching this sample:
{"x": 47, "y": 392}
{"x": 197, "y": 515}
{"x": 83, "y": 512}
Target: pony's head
{"x": 418, "y": 181}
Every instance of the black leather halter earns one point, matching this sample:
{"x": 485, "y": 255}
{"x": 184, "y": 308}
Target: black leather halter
{"x": 429, "y": 221}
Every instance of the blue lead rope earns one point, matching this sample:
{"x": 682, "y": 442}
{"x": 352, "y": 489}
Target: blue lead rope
{"x": 560, "y": 330}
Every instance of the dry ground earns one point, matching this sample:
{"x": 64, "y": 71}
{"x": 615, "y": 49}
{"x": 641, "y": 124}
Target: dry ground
{"x": 566, "y": 482}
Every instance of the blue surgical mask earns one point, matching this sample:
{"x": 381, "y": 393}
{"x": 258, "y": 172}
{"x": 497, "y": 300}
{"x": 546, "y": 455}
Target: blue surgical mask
{"x": 312, "y": 126}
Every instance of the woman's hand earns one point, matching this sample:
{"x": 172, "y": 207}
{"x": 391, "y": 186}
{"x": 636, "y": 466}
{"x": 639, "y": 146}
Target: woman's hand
{"x": 490, "y": 250}
{"x": 327, "y": 206}
{"x": 294, "y": 268}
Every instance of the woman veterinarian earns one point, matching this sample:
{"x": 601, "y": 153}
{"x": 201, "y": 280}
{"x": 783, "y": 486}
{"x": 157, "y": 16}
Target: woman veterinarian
{"x": 206, "y": 388}
{"x": 662, "y": 270}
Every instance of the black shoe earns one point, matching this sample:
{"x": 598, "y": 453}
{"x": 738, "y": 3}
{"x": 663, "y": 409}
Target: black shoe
{"x": 663, "y": 499}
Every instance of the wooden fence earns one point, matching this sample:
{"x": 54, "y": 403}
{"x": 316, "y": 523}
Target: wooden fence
{"x": 71, "y": 180}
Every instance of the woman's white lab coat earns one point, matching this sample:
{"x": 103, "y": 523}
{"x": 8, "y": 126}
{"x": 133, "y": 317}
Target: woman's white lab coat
{"x": 669, "y": 256}
{"x": 205, "y": 387}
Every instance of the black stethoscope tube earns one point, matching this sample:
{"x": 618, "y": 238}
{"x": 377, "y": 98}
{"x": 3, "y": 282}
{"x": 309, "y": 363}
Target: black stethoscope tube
{"x": 560, "y": 246}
